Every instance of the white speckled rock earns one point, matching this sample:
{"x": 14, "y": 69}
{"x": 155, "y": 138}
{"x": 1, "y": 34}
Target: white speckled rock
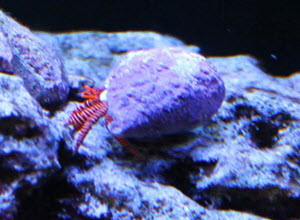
{"x": 161, "y": 91}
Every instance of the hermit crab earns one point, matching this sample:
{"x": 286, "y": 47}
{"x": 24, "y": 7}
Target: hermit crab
{"x": 150, "y": 93}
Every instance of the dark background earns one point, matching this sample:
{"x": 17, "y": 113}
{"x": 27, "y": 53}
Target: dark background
{"x": 268, "y": 30}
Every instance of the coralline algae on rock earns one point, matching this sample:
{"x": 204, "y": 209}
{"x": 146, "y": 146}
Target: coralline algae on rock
{"x": 36, "y": 62}
{"x": 161, "y": 91}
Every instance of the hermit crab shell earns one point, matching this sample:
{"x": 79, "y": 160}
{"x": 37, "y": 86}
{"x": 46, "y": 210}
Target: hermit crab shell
{"x": 161, "y": 91}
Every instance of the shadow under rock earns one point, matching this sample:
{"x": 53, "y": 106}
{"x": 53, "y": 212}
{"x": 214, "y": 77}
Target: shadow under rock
{"x": 164, "y": 145}
{"x": 45, "y": 201}
{"x": 19, "y": 127}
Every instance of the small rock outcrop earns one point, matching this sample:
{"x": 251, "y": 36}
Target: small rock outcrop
{"x": 28, "y": 144}
{"x": 37, "y": 62}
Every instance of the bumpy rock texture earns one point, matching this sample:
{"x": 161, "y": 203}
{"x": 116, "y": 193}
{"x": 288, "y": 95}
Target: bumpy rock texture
{"x": 165, "y": 90}
{"x": 251, "y": 149}
{"x": 5, "y": 55}
{"x": 36, "y": 62}
{"x": 242, "y": 164}
{"x": 28, "y": 144}
{"x": 108, "y": 191}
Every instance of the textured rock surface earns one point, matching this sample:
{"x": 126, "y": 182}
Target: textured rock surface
{"x": 5, "y": 55}
{"x": 246, "y": 158}
{"x": 36, "y": 62}
{"x": 252, "y": 146}
{"x": 91, "y": 54}
{"x": 113, "y": 192}
{"x": 101, "y": 188}
{"x": 28, "y": 144}
{"x": 162, "y": 91}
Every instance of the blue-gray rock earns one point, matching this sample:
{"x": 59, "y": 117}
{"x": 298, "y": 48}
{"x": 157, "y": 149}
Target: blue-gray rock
{"x": 207, "y": 164}
{"x": 92, "y": 54}
{"x": 244, "y": 159}
{"x": 160, "y": 91}
{"x": 250, "y": 150}
{"x": 37, "y": 62}
{"x": 28, "y": 144}
{"x": 109, "y": 191}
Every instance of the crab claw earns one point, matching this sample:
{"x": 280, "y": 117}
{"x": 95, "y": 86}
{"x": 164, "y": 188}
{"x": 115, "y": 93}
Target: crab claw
{"x": 91, "y": 93}
{"x": 123, "y": 141}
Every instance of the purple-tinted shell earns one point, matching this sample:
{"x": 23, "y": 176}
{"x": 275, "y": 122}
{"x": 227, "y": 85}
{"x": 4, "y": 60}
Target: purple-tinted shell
{"x": 162, "y": 91}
